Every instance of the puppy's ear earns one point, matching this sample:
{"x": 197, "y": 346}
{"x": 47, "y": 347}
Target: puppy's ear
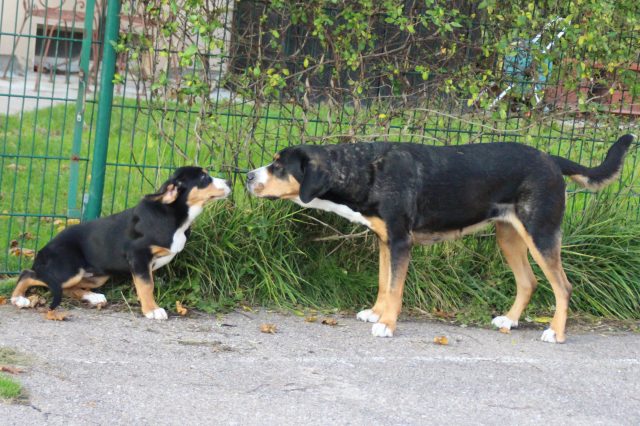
{"x": 167, "y": 194}
{"x": 315, "y": 181}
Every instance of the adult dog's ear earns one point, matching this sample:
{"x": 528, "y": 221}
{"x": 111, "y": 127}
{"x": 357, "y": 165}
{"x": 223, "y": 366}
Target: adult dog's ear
{"x": 315, "y": 181}
{"x": 167, "y": 194}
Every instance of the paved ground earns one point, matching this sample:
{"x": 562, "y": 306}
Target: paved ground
{"x": 106, "y": 367}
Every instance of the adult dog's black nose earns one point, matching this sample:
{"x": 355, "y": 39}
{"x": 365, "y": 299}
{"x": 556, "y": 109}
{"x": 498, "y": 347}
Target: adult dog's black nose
{"x": 251, "y": 176}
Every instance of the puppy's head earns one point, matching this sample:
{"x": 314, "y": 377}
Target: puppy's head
{"x": 299, "y": 171}
{"x": 193, "y": 185}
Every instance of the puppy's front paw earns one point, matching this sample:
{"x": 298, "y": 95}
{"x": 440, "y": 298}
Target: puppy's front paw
{"x": 21, "y": 302}
{"x": 504, "y": 322}
{"x": 368, "y": 316}
{"x": 95, "y": 299}
{"x": 381, "y": 330}
{"x": 158, "y": 313}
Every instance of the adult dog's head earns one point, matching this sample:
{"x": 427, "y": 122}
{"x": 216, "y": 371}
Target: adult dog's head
{"x": 300, "y": 171}
{"x": 193, "y": 186}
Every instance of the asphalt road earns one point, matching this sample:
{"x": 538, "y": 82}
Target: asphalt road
{"x": 107, "y": 367}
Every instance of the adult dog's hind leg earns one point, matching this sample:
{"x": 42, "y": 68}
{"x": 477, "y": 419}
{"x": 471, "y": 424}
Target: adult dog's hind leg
{"x": 514, "y": 249}
{"x": 549, "y": 261}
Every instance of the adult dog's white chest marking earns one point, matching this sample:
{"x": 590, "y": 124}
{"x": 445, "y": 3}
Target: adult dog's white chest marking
{"x": 179, "y": 239}
{"x": 339, "y": 209}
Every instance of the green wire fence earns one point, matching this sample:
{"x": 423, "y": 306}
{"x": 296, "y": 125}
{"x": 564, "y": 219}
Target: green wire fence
{"x": 100, "y": 100}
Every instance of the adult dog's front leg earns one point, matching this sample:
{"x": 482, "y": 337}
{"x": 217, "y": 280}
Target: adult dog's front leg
{"x": 397, "y": 264}
{"x": 143, "y": 281}
{"x": 374, "y": 314}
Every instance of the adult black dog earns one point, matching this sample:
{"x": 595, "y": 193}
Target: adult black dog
{"x": 416, "y": 194}
{"x": 137, "y": 241}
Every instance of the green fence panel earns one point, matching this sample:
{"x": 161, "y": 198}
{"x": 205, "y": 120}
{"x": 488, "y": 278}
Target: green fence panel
{"x": 183, "y": 85}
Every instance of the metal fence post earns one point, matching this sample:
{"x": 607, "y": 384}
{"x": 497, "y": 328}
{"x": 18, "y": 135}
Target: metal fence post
{"x": 72, "y": 198}
{"x": 101, "y": 143}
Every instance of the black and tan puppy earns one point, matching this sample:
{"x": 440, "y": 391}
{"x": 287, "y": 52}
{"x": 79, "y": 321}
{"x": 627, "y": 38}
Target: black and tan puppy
{"x": 416, "y": 194}
{"x": 137, "y": 241}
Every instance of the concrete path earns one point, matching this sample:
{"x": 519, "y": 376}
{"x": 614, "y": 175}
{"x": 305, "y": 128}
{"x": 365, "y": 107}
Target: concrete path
{"x": 106, "y": 367}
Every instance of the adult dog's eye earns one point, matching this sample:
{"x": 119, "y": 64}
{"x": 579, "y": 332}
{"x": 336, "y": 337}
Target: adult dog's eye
{"x": 277, "y": 166}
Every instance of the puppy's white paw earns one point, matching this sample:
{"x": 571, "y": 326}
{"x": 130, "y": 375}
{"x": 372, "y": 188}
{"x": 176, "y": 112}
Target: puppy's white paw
{"x": 548, "y": 336}
{"x": 94, "y": 298}
{"x": 381, "y": 330}
{"x": 158, "y": 313}
{"x": 504, "y": 322}
{"x": 368, "y": 316}
{"x": 21, "y": 302}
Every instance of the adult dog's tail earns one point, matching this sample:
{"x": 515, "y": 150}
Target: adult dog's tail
{"x": 598, "y": 177}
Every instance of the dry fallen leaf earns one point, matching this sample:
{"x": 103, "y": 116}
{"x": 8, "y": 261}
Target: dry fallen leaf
{"x": 181, "y": 310}
{"x": 56, "y": 316}
{"x": 268, "y": 328}
{"x": 18, "y": 251}
{"x": 504, "y": 330}
{"x": 26, "y": 235}
{"x": 10, "y": 370}
{"x": 36, "y": 300}
{"x": 3, "y": 300}
{"x": 441, "y": 340}
{"x": 14, "y": 166}
{"x": 542, "y": 320}
{"x": 442, "y": 314}
{"x": 330, "y": 321}
{"x": 72, "y": 222}
{"x": 311, "y": 319}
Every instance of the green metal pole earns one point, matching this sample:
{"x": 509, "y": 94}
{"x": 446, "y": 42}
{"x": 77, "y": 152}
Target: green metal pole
{"x": 98, "y": 164}
{"x": 72, "y": 197}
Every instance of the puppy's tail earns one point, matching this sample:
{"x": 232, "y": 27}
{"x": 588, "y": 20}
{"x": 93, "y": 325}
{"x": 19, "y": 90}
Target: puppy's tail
{"x": 597, "y": 177}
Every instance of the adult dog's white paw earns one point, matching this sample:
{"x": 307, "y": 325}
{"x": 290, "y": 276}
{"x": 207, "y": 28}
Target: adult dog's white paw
{"x": 504, "y": 322}
{"x": 381, "y": 330}
{"x": 548, "y": 336}
{"x": 94, "y": 298}
{"x": 21, "y": 302}
{"x": 158, "y": 313}
{"x": 368, "y": 316}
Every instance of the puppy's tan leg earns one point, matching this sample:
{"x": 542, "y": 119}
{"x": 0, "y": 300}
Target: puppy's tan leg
{"x": 80, "y": 291}
{"x": 144, "y": 289}
{"x": 514, "y": 249}
{"x": 18, "y": 297}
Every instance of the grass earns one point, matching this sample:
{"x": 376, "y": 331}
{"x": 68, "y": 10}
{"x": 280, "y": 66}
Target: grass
{"x": 251, "y": 251}
{"x": 10, "y": 390}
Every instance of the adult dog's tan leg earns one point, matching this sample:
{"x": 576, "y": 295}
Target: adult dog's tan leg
{"x": 400, "y": 254}
{"x": 551, "y": 264}
{"x": 514, "y": 249}
{"x": 384, "y": 272}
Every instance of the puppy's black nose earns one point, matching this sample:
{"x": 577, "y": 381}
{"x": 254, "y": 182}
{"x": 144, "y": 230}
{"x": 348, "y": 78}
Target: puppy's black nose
{"x": 251, "y": 176}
